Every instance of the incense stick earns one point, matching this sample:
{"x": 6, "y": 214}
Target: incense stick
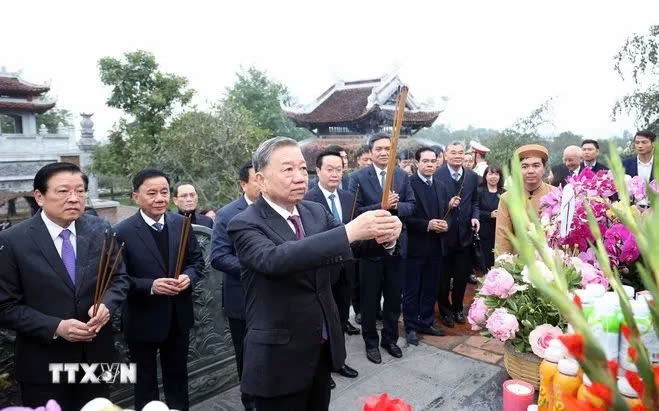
{"x": 107, "y": 277}
{"x": 182, "y": 246}
{"x": 391, "y": 165}
{"x": 100, "y": 264}
{"x": 354, "y": 204}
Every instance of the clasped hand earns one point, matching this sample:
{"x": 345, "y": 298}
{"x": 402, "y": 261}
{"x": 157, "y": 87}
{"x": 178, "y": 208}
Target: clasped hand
{"x": 76, "y": 331}
{"x": 437, "y": 225}
{"x": 170, "y": 286}
{"x": 379, "y": 225}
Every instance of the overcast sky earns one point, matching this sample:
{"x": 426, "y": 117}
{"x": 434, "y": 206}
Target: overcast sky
{"x": 494, "y": 60}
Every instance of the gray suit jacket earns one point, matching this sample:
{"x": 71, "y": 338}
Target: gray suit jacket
{"x": 36, "y": 293}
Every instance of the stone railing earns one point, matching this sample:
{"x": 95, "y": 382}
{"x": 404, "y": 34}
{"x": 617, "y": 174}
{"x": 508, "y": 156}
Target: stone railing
{"x": 211, "y": 363}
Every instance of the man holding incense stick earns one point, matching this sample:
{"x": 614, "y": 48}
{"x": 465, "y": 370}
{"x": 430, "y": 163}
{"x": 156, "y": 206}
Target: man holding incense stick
{"x": 163, "y": 267}
{"x": 48, "y": 287}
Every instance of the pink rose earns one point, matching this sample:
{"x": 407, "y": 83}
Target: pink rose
{"x": 502, "y": 325}
{"x": 498, "y": 282}
{"x": 589, "y": 274}
{"x": 539, "y": 338}
{"x": 477, "y": 314}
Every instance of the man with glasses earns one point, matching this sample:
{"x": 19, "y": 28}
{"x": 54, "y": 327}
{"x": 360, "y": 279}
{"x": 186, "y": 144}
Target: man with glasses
{"x": 186, "y": 200}
{"x": 48, "y": 275}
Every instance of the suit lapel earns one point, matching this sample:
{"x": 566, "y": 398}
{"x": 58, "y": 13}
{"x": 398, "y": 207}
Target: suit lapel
{"x": 42, "y": 239}
{"x": 418, "y": 187}
{"x": 275, "y": 221}
{"x": 346, "y": 205}
{"x": 310, "y": 228}
{"x": 83, "y": 244}
{"x": 146, "y": 237}
{"x": 446, "y": 177}
{"x": 374, "y": 180}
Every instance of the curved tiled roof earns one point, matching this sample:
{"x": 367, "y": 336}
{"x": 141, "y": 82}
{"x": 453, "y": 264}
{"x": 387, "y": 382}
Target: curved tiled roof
{"x": 11, "y": 85}
{"x": 26, "y": 106}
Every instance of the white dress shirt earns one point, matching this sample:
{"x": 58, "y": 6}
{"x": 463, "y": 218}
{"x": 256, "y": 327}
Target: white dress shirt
{"x": 453, "y": 171}
{"x": 377, "y": 173}
{"x": 424, "y": 178}
{"x": 337, "y": 201}
{"x": 249, "y": 202}
{"x": 283, "y": 212}
{"x": 150, "y": 221}
{"x": 645, "y": 169}
{"x": 55, "y": 230}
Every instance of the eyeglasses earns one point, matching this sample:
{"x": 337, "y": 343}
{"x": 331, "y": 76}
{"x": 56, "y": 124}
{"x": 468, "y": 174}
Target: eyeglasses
{"x": 66, "y": 194}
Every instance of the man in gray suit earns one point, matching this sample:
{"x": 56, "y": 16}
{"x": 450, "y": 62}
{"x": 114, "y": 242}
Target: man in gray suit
{"x": 48, "y": 274}
{"x": 289, "y": 249}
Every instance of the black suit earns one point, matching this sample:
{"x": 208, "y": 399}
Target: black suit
{"x": 381, "y": 273}
{"x": 158, "y": 322}
{"x": 36, "y": 293}
{"x": 423, "y": 254}
{"x": 631, "y": 167}
{"x": 288, "y": 299}
{"x": 597, "y": 167}
{"x": 457, "y": 242}
{"x": 224, "y": 258}
{"x": 342, "y": 284}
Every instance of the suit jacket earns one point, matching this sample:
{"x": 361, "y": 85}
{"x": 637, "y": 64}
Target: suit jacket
{"x": 204, "y": 220}
{"x": 347, "y": 199}
{"x": 420, "y": 241}
{"x": 631, "y": 167}
{"x": 36, "y": 293}
{"x": 288, "y": 291}
{"x": 597, "y": 167}
{"x": 224, "y": 258}
{"x": 148, "y": 317}
{"x": 459, "y": 232}
{"x": 365, "y": 184}
{"x": 345, "y": 182}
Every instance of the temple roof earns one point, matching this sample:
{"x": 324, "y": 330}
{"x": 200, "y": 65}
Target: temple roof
{"x": 352, "y": 101}
{"x": 38, "y": 106}
{"x": 11, "y": 84}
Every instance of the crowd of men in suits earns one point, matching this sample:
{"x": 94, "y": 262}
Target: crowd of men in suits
{"x": 295, "y": 259}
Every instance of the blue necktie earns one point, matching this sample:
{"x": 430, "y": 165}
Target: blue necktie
{"x": 456, "y": 176}
{"x": 335, "y": 211}
{"x": 299, "y": 234}
{"x": 158, "y": 226}
{"x": 68, "y": 255}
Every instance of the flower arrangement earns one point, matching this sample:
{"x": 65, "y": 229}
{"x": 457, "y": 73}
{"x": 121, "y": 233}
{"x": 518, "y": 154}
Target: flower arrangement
{"x": 628, "y": 224}
{"x": 596, "y": 192}
{"x": 509, "y": 308}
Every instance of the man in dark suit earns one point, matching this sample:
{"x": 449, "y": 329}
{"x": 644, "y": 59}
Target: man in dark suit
{"x": 572, "y": 159}
{"x": 642, "y": 164}
{"x": 591, "y": 152}
{"x": 338, "y": 202}
{"x": 344, "y": 184}
{"x": 461, "y": 195}
{"x": 367, "y": 185}
{"x": 158, "y": 313}
{"x": 424, "y": 227}
{"x": 47, "y": 284}
{"x": 224, "y": 258}
{"x": 289, "y": 249}
{"x": 186, "y": 200}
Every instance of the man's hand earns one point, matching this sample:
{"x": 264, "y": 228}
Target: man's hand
{"x": 475, "y": 225}
{"x": 390, "y": 236}
{"x": 165, "y": 286}
{"x": 183, "y": 282}
{"x": 455, "y": 202}
{"x": 493, "y": 214}
{"x": 438, "y": 226}
{"x": 379, "y": 224}
{"x": 392, "y": 204}
{"x": 101, "y": 318}
{"x": 74, "y": 331}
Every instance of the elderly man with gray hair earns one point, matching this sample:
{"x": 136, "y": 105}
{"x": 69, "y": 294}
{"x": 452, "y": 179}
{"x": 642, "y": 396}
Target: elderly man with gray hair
{"x": 572, "y": 157}
{"x": 289, "y": 248}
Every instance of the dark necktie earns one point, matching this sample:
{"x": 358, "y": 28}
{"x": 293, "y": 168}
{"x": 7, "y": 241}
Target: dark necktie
{"x": 158, "y": 226}
{"x": 68, "y": 255}
{"x": 299, "y": 234}
{"x": 382, "y": 174}
{"x": 335, "y": 211}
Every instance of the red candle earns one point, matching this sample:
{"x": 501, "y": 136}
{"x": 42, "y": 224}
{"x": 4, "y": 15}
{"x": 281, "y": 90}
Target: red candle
{"x": 517, "y": 395}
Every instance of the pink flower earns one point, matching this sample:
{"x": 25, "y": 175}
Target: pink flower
{"x": 477, "y": 314}
{"x": 589, "y": 274}
{"x": 636, "y": 188}
{"x": 52, "y": 405}
{"x": 502, "y": 325}
{"x": 621, "y": 245}
{"x": 539, "y": 338}
{"x": 498, "y": 282}
{"x": 589, "y": 257}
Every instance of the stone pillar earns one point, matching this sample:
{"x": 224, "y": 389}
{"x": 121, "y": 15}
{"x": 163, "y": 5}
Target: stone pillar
{"x": 87, "y": 145}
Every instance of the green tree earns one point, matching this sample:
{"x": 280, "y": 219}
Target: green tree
{"x": 637, "y": 59}
{"x": 53, "y": 117}
{"x": 263, "y": 98}
{"x": 149, "y": 98}
{"x": 208, "y": 149}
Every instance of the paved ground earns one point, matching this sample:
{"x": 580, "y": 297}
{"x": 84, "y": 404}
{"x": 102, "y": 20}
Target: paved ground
{"x": 460, "y": 371}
